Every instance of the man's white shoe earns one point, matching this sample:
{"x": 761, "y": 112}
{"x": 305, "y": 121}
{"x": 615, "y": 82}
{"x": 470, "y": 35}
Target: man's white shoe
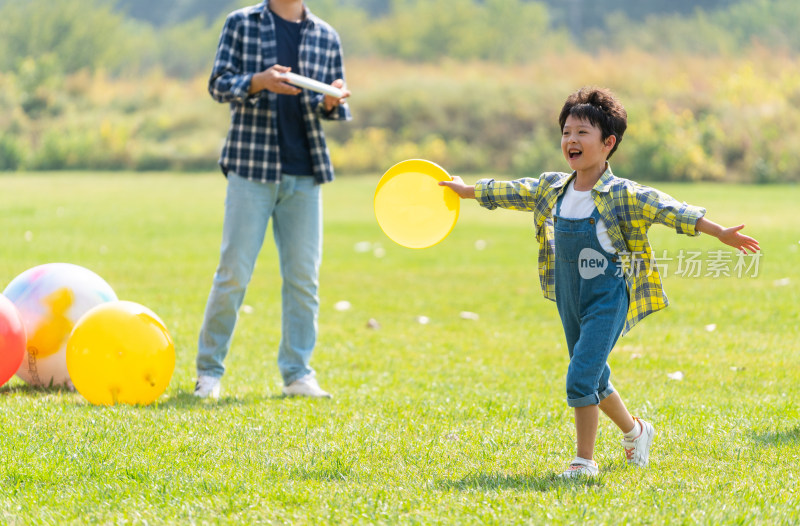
{"x": 637, "y": 450}
{"x": 305, "y": 386}
{"x": 207, "y": 386}
{"x": 580, "y": 467}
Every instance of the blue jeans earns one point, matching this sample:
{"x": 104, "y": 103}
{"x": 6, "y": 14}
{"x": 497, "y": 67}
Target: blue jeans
{"x": 592, "y": 301}
{"x": 295, "y": 207}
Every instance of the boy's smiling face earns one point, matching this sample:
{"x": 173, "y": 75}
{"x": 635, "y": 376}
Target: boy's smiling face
{"x": 583, "y": 146}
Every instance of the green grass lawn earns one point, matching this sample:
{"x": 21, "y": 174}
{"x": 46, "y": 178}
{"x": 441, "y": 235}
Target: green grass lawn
{"x": 455, "y": 421}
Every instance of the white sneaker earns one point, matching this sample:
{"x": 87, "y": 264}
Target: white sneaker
{"x": 207, "y": 386}
{"x": 306, "y": 386}
{"x": 637, "y": 450}
{"x": 580, "y": 467}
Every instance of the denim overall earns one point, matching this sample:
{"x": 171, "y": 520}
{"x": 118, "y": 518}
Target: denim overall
{"x": 592, "y": 300}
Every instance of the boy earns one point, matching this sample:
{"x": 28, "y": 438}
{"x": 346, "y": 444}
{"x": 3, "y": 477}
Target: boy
{"x": 595, "y": 260}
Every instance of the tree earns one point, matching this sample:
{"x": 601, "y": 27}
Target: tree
{"x": 167, "y": 13}
{"x": 499, "y": 30}
{"x": 79, "y": 34}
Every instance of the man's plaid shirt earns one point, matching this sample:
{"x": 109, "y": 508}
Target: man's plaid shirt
{"x": 627, "y": 208}
{"x": 247, "y": 46}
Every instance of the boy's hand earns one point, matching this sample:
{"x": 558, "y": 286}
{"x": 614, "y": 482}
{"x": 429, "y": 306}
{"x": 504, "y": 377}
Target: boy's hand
{"x": 464, "y": 191}
{"x": 731, "y": 236}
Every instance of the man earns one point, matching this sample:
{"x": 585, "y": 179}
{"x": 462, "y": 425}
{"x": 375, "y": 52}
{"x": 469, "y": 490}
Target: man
{"x": 275, "y": 159}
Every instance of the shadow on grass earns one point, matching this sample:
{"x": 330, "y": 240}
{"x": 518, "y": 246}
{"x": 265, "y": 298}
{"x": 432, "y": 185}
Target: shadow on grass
{"x": 521, "y": 482}
{"x": 336, "y": 472}
{"x": 181, "y": 400}
{"x": 785, "y": 437}
{"x": 33, "y": 390}
{"x": 186, "y": 399}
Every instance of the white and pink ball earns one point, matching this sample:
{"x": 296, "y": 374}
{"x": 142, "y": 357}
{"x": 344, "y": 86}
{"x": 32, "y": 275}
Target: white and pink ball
{"x": 51, "y": 298}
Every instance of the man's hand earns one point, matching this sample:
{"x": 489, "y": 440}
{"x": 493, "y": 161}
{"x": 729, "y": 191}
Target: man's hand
{"x": 271, "y": 80}
{"x": 333, "y": 102}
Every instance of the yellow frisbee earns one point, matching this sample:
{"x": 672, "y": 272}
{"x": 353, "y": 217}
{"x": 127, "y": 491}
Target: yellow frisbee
{"x": 410, "y": 206}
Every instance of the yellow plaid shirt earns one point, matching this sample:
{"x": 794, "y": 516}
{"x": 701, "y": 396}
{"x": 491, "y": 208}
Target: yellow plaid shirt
{"x": 627, "y": 208}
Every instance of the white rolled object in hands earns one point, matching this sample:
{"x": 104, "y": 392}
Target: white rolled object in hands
{"x": 313, "y": 85}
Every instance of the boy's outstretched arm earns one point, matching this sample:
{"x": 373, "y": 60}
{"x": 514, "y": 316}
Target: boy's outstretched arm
{"x": 464, "y": 191}
{"x": 730, "y": 236}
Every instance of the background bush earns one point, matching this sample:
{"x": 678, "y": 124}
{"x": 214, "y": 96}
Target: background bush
{"x": 711, "y": 88}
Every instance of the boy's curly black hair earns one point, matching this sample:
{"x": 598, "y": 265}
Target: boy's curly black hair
{"x": 601, "y": 108}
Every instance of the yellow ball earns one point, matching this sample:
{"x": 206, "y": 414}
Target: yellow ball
{"x": 120, "y": 352}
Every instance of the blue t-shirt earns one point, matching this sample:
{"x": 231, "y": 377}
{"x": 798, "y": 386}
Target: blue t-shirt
{"x": 292, "y": 138}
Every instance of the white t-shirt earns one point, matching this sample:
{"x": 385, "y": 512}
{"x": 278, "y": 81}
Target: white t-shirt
{"x": 579, "y": 205}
